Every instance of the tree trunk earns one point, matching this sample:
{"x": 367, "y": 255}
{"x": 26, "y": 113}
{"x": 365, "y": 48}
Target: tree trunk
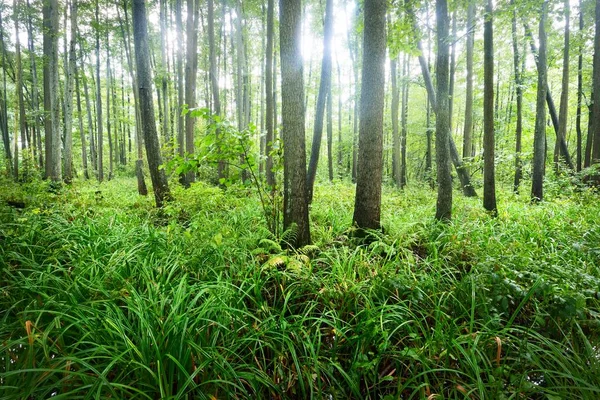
{"x": 489, "y": 175}
{"x": 442, "y": 122}
{"x": 69, "y": 85}
{"x": 20, "y": 98}
{"x": 180, "y": 85}
{"x": 51, "y": 103}
{"x": 404, "y": 120}
{"x": 539, "y": 140}
{"x": 330, "y": 134}
{"x": 595, "y": 132}
{"x": 324, "y": 88}
{"x": 395, "y": 131}
{"x": 164, "y": 78}
{"x": 579, "y": 92}
{"x": 519, "y": 90}
{"x": 86, "y": 173}
{"x": 295, "y": 194}
{"x": 367, "y": 205}
{"x": 99, "y": 100}
{"x": 88, "y": 107}
{"x": 269, "y": 97}
{"x": 564, "y": 96}
{"x": 191, "y": 68}
{"x": 467, "y": 151}
{"x": 142, "y": 60}
{"x": 551, "y": 108}
{"x": 3, "y": 106}
{"x": 111, "y": 145}
{"x": 214, "y": 80}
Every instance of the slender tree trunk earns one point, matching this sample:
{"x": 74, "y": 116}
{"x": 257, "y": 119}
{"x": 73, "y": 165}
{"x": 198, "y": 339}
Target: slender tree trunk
{"x": 579, "y": 92}
{"x": 295, "y": 194}
{"x": 19, "y": 94}
{"x": 142, "y": 59}
{"x": 539, "y": 142}
{"x": 69, "y": 85}
{"x": 3, "y": 106}
{"x": 564, "y": 96}
{"x": 324, "y": 88}
{"x": 269, "y": 96}
{"x": 551, "y": 108}
{"x": 489, "y": 145}
{"x": 367, "y": 205}
{"x": 519, "y": 90}
{"x": 180, "y": 75}
{"x": 330, "y": 134}
{"x": 99, "y": 100}
{"x": 51, "y": 103}
{"x": 191, "y": 68}
{"x": 395, "y": 131}
{"x": 442, "y": 123}
{"x": 340, "y": 146}
{"x": 595, "y": 132}
{"x": 164, "y": 78}
{"x": 452, "y": 69}
{"x": 88, "y": 107}
{"x": 84, "y": 157}
{"x": 111, "y": 145}
{"x": 214, "y": 79}
{"x": 404, "y": 121}
{"x": 467, "y": 151}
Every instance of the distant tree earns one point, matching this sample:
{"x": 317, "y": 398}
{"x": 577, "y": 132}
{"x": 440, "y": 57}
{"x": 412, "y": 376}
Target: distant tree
{"x": 467, "y": 152}
{"x": 564, "y": 95}
{"x": 489, "y": 176}
{"x": 324, "y": 89}
{"x": 51, "y": 103}
{"x": 367, "y": 204}
{"x": 442, "y": 122}
{"x": 519, "y": 92}
{"x": 295, "y": 194}
{"x": 539, "y": 139}
{"x": 69, "y": 87}
{"x": 142, "y": 60}
{"x": 191, "y": 69}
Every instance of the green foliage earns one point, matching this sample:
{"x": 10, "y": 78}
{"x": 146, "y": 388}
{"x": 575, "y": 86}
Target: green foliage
{"x": 101, "y": 295}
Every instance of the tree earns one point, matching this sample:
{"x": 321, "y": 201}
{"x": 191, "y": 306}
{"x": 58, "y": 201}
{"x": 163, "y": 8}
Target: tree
{"x": 269, "y": 96}
{"x": 442, "y": 122}
{"x": 467, "y": 152}
{"x": 519, "y": 92}
{"x": 191, "y": 69}
{"x": 489, "y": 176}
{"x": 579, "y": 93}
{"x": 20, "y": 98}
{"x": 214, "y": 80}
{"x": 295, "y": 194}
{"x": 69, "y": 86}
{"x": 324, "y": 89}
{"x": 539, "y": 139}
{"x": 51, "y": 103}
{"x": 100, "y": 144}
{"x": 595, "y": 156}
{"x": 142, "y": 60}
{"x": 564, "y": 95}
{"x": 395, "y": 107}
{"x": 367, "y": 204}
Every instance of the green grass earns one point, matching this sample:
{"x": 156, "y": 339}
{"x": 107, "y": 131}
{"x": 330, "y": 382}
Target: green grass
{"x": 103, "y": 296}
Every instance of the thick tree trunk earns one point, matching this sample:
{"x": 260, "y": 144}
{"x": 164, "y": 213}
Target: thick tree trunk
{"x": 51, "y": 103}
{"x": 142, "y": 59}
{"x": 489, "y": 175}
{"x": 539, "y": 140}
{"x": 269, "y": 96}
{"x": 324, "y": 88}
{"x": 367, "y": 205}
{"x": 295, "y": 194}
{"x": 442, "y": 122}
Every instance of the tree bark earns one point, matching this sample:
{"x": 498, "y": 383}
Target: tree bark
{"x": 99, "y": 100}
{"x": 395, "y": 108}
{"x": 519, "y": 90}
{"x": 539, "y": 140}
{"x": 442, "y": 122}
{"x": 564, "y": 95}
{"x": 404, "y": 121}
{"x": 269, "y": 97}
{"x": 19, "y": 94}
{"x": 51, "y": 103}
{"x": 595, "y": 133}
{"x": 295, "y": 194}
{"x": 191, "y": 69}
{"x": 3, "y": 106}
{"x": 180, "y": 84}
{"x": 367, "y": 204}
{"x": 467, "y": 151}
{"x": 84, "y": 156}
{"x": 579, "y": 93}
{"x": 330, "y": 134}
{"x": 324, "y": 87}
{"x": 489, "y": 175}
{"x": 214, "y": 80}
{"x": 142, "y": 59}
{"x": 69, "y": 86}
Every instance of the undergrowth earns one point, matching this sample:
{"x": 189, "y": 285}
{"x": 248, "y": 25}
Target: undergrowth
{"x": 104, "y": 296}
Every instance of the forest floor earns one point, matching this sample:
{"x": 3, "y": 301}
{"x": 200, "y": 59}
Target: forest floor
{"x": 102, "y": 295}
